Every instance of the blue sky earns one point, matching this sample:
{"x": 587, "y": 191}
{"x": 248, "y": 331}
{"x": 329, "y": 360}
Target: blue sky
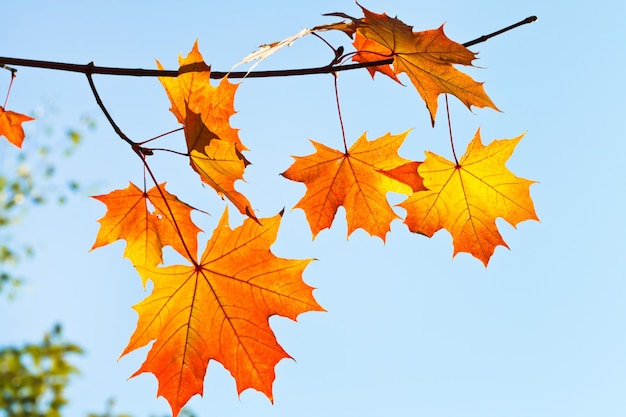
{"x": 408, "y": 331}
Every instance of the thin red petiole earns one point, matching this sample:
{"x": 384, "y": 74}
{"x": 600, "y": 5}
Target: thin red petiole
{"x": 191, "y": 257}
{"x": 343, "y": 132}
{"x": 6, "y": 100}
{"x": 160, "y": 136}
{"x": 450, "y": 130}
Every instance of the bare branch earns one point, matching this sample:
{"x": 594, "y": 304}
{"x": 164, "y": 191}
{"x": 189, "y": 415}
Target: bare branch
{"x": 139, "y": 72}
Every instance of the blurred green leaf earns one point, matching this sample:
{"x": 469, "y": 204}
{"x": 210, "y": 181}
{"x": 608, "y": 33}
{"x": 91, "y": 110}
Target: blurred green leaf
{"x": 33, "y": 377}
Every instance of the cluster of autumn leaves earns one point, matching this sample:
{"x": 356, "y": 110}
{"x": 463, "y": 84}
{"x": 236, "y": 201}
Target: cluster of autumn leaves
{"x": 217, "y": 307}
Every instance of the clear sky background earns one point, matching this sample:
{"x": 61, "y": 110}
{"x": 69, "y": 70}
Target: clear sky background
{"x": 408, "y": 330}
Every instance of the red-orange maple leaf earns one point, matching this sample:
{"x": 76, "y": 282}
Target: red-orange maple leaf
{"x": 218, "y": 308}
{"x": 359, "y": 180}
{"x": 11, "y": 126}
{"x": 466, "y": 198}
{"x": 427, "y": 57}
{"x": 147, "y": 229}
{"x": 371, "y": 51}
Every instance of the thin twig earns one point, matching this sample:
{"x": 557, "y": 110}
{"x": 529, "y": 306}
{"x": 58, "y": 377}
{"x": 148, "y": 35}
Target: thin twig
{"x": 6, "y": 67}
{"x": 119, "y": 132}
{"x": 484, "y": 38}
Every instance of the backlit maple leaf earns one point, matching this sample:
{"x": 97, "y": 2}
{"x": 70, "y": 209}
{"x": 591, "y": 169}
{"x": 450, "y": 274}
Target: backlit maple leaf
{"x": 205, "y": 111}
{"x": 466, "y": 199}
{"x": 192, "y": 90}
{"x": 427, "y": 57}
{"x": 218, "y": 308}
{"x": 146, "y": 229}
{"x": 11, "y": 126}
{"x": 359, "y": 180}
{"x": 218, "y": 163}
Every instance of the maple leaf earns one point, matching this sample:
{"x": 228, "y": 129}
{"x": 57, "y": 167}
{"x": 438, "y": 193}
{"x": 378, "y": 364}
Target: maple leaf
{"x": 427, "y": 57}
{"x": 192, "y": 89}
{"x": 466, "y": 199}
{"x": 218, "y": 308}
{"x": 205, "y": 111}
{"x": 146, "y": 230}
{"x": 11, "y": 126}
{"x": 218, "y": 162}
{"x": 359, "y": 180}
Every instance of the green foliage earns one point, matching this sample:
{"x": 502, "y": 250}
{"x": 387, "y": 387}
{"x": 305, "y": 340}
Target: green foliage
{"x": 34, "y": 376}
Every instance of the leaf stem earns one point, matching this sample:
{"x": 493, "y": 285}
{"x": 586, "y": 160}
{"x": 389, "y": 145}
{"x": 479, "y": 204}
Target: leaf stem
{"x": 190, "y": 257}
{"x": 161, "y": 135}
{"x": 343, "y": 131}
{"x": 450, "y": 130}
{"x": 6, "y": 99}
{"x": 185, "y": 154}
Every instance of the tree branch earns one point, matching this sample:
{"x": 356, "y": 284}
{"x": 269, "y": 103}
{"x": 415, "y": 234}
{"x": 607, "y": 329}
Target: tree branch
{"x": 139, "y": 72}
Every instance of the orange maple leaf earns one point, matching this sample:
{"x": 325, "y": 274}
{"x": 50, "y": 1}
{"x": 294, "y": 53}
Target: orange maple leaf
{"x": 192, "y": 90}
{"x": 466, "y": 199}
{"x": 205, "y": 111}
{"x": 218, "y": 308}
{"x": 427, "y": 57}
{"x": 218, "y": 163}
{"x": 11, "y": 126}
{"x": 358, "y": 179}
{"x": 147, "y": 229}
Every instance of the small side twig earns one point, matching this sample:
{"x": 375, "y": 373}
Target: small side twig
{"x": 140, "y": 151}
{"x": 88, "y": 72}
{"x": 485, "y": 38}
{"x": 6, "y": 67}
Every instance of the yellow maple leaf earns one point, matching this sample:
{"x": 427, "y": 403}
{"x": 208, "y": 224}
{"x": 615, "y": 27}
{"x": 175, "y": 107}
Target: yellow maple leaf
{"x": 466, "y": 198}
